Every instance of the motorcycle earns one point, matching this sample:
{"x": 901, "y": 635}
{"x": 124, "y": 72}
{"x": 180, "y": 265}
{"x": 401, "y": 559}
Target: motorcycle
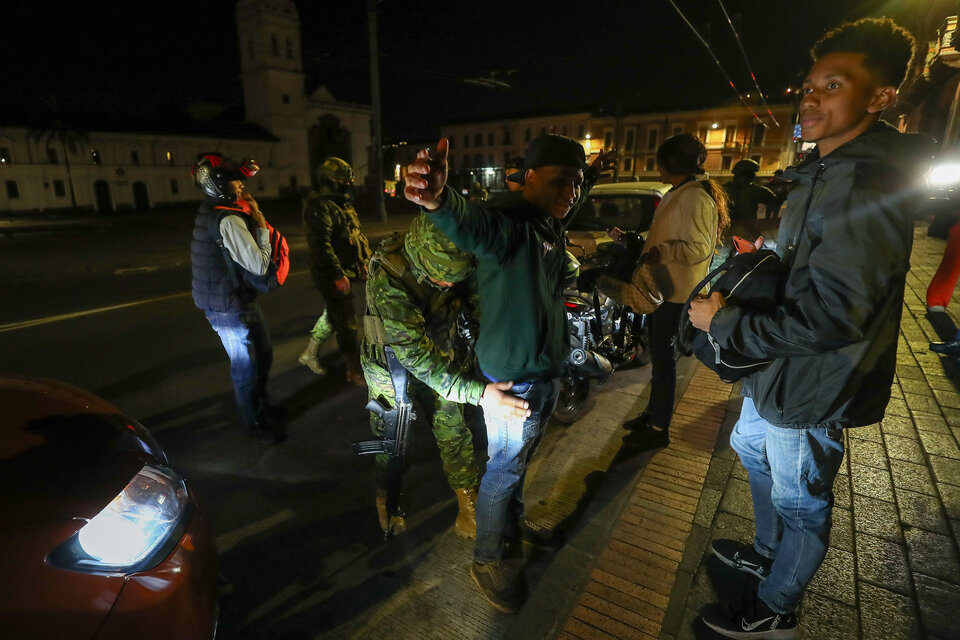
{"x": 605, "y": 337}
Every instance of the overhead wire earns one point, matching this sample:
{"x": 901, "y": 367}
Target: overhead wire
{"x": 746, "y": 60}
{"x": 719, "y": 66}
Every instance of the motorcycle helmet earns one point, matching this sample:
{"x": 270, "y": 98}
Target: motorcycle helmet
{"x": 336, "y": 174}
{"x": 213, "y": 173}
{"x": 746, "y": 167}
{"x": 433, "y": 254}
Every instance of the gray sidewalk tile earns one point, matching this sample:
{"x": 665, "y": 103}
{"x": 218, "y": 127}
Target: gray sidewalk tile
{"x": 707, "y": 507}
{"x": 734, "y": 527}
{"x": 841, "y": 534}
{"x": 841, "y": 492}
{"x": 876, "y": 517}
{"x": 870, "y": 432}
{"x": 947, "y": 398}
{"x": 951, "y": 500}
{"x": 825, "y": 618}
{"x": 952, "y": 416}
{"x": 739, "y": 472}
{"x": 897, "y": 407}
{"x": 883, "y": 563}
{"x": 938, "y": 606}
{"x": 872, "y": 482}
{"x": 864, "y": 452}
{"x": 909, "y": 371}
{"x": 898, "y": 426}
{"x": 921, "y": 403}
{"x": 835, "y": 577}
{"x": 946, "y": 470}
{"x": 915, "y": 386}
{"x": 907, "y": 449}
{"x": 940, "y": 444}
{"x": 885, "y": 614}
{"x": 932, "y": 554}
{"x": 926, "y": 421}
{"x": 942, "y": 382}
{"x": 915, "y": 477}
{"x": 736, "y": 499}
{"x": 922, "y": 511}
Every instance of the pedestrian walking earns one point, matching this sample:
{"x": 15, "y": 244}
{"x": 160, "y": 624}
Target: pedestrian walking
{"x": 845, "y": 241}
{"x": 338, "y": 254}
{"x": 230, "y": 239}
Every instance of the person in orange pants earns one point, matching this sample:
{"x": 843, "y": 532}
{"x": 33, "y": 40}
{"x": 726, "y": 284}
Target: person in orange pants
{"x": 945, "y": 279}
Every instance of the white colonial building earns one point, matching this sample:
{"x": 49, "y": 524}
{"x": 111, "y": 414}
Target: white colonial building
{"x": 105, "y": 166}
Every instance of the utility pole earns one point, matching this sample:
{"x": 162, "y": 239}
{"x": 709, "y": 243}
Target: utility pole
{"x": 617, "y": 126}
{"x": 375, "y": 117}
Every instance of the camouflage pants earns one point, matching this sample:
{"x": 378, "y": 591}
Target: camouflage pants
{"x": 338, "y": 317}
{"x": 444, "y": 417}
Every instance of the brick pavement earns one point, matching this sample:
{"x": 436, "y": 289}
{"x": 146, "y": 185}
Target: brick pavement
{"x": 892, "y": 569}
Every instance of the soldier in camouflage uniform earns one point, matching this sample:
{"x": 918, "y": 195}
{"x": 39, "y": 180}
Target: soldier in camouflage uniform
{"x": 338, "y": 253}
{"x": 416, "y": 294}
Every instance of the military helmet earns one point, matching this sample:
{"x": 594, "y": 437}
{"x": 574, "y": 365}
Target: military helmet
{"x": 336, "y": 171}
{"x": 746, "y": 167}
{"x": 212, "y": 172}
{"x": 433, "y": 254}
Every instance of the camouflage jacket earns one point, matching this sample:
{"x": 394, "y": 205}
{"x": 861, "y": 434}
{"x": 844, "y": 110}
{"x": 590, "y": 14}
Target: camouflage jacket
{"x": 337, "y": 246}
{"x": 420, "y": 322}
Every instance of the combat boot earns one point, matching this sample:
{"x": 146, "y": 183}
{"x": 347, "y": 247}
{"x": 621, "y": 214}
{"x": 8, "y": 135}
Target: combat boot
{"x": 355, "y": 372}
{"x": 466, "y": 524}
{"x": 309, "y": 358}
{"x": 390, "y": 526}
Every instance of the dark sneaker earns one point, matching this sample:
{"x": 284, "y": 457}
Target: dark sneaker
{"x": 951, "y": 349}
{"x": 266, "y": 434}
{"x": 742, "y": 557}
{"x": 540, "y": 536}
{"x": 642, "y": 421}
{"x": 754, "y": 620}
{"x": 502, "y": 594}
{"x": 646, "y": 438}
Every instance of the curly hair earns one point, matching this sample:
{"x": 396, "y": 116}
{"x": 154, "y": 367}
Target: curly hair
{"x": 888, "y": 47}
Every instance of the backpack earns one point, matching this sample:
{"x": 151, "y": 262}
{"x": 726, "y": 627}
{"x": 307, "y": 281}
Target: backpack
{"x": 278, "y": 268}
{"x": 753, "y": 280}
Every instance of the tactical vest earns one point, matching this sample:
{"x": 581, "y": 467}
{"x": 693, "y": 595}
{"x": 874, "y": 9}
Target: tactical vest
{"x": 211, "y": 282}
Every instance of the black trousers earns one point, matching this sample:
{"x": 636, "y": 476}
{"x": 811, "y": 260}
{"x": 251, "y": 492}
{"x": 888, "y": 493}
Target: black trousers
{"x": 663, "y": 324}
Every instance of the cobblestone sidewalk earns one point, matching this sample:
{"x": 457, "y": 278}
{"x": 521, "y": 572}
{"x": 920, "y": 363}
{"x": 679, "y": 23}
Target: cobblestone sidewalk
{"x": 892, "y": 570}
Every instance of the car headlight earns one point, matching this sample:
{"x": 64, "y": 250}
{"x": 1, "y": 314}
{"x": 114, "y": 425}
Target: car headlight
{"x": 944, "y": 174}
{"x": 135, "y": 531}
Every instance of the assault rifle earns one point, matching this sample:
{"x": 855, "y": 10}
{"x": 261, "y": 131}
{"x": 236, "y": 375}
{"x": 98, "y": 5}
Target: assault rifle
{"x": 396, "y": 422}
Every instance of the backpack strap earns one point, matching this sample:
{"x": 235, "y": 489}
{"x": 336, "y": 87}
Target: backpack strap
{"x": 214, "y": 229}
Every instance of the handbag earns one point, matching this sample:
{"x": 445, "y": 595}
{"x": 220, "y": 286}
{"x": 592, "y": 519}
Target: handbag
{"x": 640, "y": 293}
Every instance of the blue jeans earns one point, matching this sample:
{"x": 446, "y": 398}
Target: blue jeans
{"x": 247, "y": 342}
{"x": 791, "y": 482}
{"x": 510, "y": 445}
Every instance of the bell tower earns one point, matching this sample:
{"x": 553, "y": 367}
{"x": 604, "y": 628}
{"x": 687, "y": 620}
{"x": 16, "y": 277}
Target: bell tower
{"x": 271, "y": 70}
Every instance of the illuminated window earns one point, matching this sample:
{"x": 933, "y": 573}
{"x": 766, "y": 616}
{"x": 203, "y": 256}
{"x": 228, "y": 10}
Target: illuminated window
{"x": 651, "y": 164}
{"x": 725, "y": 162}
{"x": 628, "y": 144}
{"x": 289, "y": 49}
{"x": 174, "y": 186}
{"x": 95, "y": 156}
{"x": 758, "y": 132}
{"x": 59, "y": 189}
{"x": 169, "y": 157}
{"x": 135, "y": 158}
{"x": 52, "y": 156}
{"x": 273, "y": 44}
{"x": 730, "y": 134}
{"x": 13, "y": 190}
{"x": 4, "y": 155}
{"x": 628, "y": 164}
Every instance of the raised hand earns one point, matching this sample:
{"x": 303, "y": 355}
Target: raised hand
{"x": 427, "y": 175}
{"x": 342, "y": 285}
{"x": 605, "y": 160}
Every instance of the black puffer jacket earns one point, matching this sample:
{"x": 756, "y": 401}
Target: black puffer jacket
{"x": 834, "y": 339}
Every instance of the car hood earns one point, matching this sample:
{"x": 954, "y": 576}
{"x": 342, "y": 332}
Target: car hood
{"x": 64, "y": 453}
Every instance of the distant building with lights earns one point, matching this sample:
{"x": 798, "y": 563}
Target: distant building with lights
{"x": 108, "y": 164}
{"x": 480, "y": 149}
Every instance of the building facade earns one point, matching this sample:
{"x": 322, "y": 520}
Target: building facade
{"x": 480, "y": 149}
{"x": 101, "y": 167}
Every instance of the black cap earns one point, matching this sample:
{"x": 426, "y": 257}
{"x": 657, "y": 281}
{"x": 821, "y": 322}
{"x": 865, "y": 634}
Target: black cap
{"x": 551, "y": 150}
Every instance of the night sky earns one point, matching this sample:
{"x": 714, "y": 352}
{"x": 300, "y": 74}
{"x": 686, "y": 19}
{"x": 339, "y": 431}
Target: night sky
{"x": 129, "y": 57}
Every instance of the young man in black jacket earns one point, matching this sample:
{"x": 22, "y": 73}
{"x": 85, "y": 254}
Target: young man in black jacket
{"x": 846, "y": 237}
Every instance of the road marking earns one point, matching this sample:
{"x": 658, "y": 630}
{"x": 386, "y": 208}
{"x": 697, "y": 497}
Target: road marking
{"x": 133, "y": 270}
{"x": 228, "y": 540}
{"x": 26, "y": 324}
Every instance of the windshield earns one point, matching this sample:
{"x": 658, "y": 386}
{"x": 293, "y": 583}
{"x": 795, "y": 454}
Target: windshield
{"x": 630, "y": 212}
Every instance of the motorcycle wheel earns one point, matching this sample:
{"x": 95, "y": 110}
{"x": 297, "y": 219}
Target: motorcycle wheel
{"x": 572, "y": 401}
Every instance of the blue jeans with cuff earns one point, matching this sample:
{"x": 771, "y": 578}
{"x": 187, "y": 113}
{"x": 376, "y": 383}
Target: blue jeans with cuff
{"x": 791, "y": 482}
{"x": 246, "y": 340}
{"x": 510, "y": 445}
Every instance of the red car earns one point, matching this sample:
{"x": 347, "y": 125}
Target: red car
{"x": 100, "y": 538}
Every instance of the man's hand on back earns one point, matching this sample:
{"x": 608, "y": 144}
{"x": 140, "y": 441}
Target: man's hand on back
{"x": 426, "y": 176}
{"x": 495, "y": 402}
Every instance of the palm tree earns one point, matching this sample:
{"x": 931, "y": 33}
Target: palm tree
{"x": 67, "y": 139}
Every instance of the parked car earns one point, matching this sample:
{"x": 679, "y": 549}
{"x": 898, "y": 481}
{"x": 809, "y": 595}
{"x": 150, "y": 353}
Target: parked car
{"x": 100, "y": 537}
{"x": 628, "y": 205}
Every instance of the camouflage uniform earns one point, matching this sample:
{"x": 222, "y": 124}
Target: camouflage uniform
{"x": 419, "y": 320}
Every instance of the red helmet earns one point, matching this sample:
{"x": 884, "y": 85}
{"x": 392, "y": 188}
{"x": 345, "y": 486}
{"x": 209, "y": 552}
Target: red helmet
{"x": 212, "y": 172}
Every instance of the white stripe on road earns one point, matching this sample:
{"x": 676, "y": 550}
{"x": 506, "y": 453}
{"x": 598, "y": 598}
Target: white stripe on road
{"x": 229, "y": 540}
{"x": 26, "y": 324}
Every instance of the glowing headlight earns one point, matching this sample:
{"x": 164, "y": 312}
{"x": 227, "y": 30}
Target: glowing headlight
{"x": 944, "y": 174}
{"x": 133, "y": 529}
